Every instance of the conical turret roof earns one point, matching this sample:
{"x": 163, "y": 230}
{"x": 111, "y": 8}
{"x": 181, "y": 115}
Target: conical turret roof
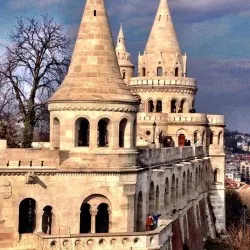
{"x": 121, "y": 50}
{"x": 163, "y": 38}
{"x": 94, "y": 73}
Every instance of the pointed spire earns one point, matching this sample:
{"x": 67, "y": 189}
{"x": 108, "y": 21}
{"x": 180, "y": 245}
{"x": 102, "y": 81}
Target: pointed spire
{"x": 121, "y": 50}
{"x": 163, "y": 37}
{"x": 94, "y": 73}
{"x": 121, "y": 33}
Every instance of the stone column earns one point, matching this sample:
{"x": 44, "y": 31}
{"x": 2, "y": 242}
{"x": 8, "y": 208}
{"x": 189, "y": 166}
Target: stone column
{"x": 93, "y": 135}
{"x": 93, "y": 213}
{"x": 114, "y": 136}
{"x": 39, "y": 216}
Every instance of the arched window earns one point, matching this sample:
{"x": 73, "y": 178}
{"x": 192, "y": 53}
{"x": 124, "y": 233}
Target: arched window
{"x": 124, "y": 74}
{"x": 123, "y": 138}
{"x": 56, "y": 133}
{"x": 157, "y": 201}
{"x": 143, "y": 71}
{"x": 188, "y": 183}
{"x": 82, "y": 132}
{"x": 173, "y": 106}
{"x": 94, "y": 12}
{"x": 103, "y": 132}
{"x": 150, "y": 106}
{"x": 184, "y": 185}
{"x": 152, "y": 198}
{"x": 195, "y": 138}
{"x": 211, "y": 137}
{"x": 27, "y": 216}
{"x": 139, "y": 218}
{"x": 159, "y": 71}
{"x": 159, "y": 106}
{"x": 196, "y": 178}
{"x": 166, "y": 195}
{"x": 181, "y": 140}
{"x": 47, "y": 220}
{"x": 220, "y": 138}
{"x": 102, "y": 219}
{"x": 182, "y": 108}
{"x": 173, "y": 194}
{"x": 176, "y": 72}
{"x": 216, "y": 173}
{"x": 203, "y": 138}
{"x": 85, "y": 219}
{"x": 134, "y": 133}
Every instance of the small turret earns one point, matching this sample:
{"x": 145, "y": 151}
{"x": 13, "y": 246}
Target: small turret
{"x": 124, "y": 60}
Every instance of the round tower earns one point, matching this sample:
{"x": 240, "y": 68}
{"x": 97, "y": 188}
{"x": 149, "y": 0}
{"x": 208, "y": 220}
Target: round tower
{"x": 124, "y": 60}
{"x": 93, "y": 113}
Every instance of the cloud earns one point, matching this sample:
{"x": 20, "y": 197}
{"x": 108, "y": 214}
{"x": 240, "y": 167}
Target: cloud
{"x": 223, "y": 88}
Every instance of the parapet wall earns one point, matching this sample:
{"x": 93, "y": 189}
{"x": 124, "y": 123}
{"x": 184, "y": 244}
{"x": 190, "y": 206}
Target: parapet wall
{"x": 156, "y": 156}
{"x": 18, "y": 158}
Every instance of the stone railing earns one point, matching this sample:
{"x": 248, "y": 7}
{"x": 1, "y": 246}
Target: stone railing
{"x": 29, "y": 158}
{"x": 156, "y": 156}
{"x": 163, "y": 81}
{"x": 161, "y": 237}
{"x": 216, "y": 119}
{"x": 193, "y": 118}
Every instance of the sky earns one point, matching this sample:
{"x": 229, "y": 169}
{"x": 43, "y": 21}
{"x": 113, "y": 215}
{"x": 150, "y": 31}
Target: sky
{"x": 214, "y": 33}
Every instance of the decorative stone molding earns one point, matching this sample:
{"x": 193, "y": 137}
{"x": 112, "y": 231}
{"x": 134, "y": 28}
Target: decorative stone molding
{"x": 30, "y": 178}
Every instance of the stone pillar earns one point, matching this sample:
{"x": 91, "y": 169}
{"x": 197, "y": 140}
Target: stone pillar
{"x": 39, "y": 216}
{"x": 210, "y": 222}
{"x": 114, "y": 135}
{"x": 93, "y": 135}
{"x": 93, "y": 213}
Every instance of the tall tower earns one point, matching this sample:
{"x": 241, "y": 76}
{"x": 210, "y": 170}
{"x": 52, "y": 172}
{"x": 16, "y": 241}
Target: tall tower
{"x": 162, "y": 56}
{"x": 124, "y": 60}
{"x": 93, "y": 111}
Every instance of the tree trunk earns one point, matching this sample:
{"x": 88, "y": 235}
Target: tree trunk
{"x": 28, "y": 131}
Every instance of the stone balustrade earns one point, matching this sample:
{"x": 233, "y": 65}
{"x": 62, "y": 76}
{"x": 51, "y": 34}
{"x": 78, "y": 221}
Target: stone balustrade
{"x": 156, "y": 156}
{"x": 193, "y": 118}
{"x": 123, "y": 241}
{"x": 163, "y": 81}
{"x": 29, "y": 158}
{"x": 216, "y": 119}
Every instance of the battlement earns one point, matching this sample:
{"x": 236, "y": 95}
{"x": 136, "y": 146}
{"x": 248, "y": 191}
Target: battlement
{"x": 192, "y": 118}
{"x": 157, "y": 156}
{"x": 144, "y": 240}
{"x": 216, "y": 119}
{"x": 163, "y": 81}
{"x": 31, "y": 158}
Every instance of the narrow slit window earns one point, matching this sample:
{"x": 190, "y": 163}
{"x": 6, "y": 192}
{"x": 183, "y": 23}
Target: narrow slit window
{"x": 94, "y": 12}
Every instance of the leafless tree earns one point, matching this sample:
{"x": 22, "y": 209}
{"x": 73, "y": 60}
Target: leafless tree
{"x": 33, "y": 67}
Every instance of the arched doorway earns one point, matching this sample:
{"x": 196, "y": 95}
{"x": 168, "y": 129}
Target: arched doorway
{"x": 173, "y": 194}
{"x": 139, "y": 217}
{"x": 151, "y": 197}
{"x": 102, "y": 219}
{"x": 182, "y": 108}
{"x": 157, "y": 200}
{"x": 166, "y": 195}
{"x": 85, "y": 219}
{"x": 27, "y": 216}
{"x": 103, "y": 132}
{"x": 82, "y": 132}
{"x": 47, "y": 220}
{"x": 181, "y": 140}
